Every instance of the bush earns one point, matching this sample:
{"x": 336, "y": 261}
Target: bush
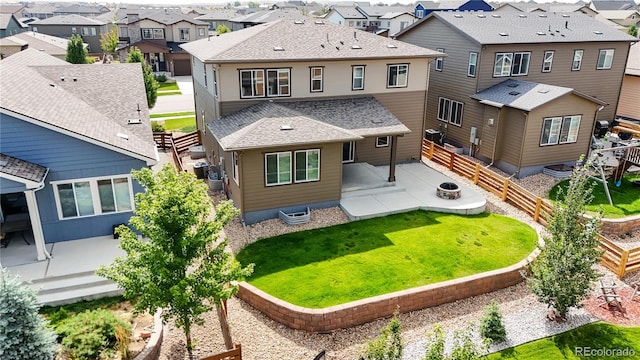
{"x": 91, "y": 334}
{"x": 157, "y": 127}
{"x": 463, "y": 347}
{"x": 491, "y": 326}
{"x": 388, "y": 346}
{"x": 161, "y": 78}
{"x": 23, "y": 332}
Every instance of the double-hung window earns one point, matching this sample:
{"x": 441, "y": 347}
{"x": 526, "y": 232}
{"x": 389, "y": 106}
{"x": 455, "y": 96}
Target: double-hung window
{"x": 234, "y": 160}
{"x": 511, "y": 64}
{"x": 251, "y": 83}
{"x": 577, "y": 60}
{"x": 93, "y": 196}
{"x": 569, "y": 130}
{"x": 605, "y": 59}
{"x": 520, "y": 63}
{"x": 278, "y": 82}
{"x": 439, "y": 60}
{"x": 278, "y": 168}
{"x": 158, "y": 33}
{"x": 547, "y": 62}
{"x": 358, "y": 77}
{"x": 456, "y": 113}
{"x": 147, "y": 33}
{"x": 307, "y": 164}
{"x": 316, "y": 79}
{"x": 502, "y": 66}
{"x": 419, "y": 14}
{"x": 201, "y": 32}
{"x": 473, "y": 64}
{"x": 450, "y": 111}
{"x": 184, "y": 34}
{"x": 560, "y": 130}
{"x": 397, "y": 75}
{"x": 124, "y": 31}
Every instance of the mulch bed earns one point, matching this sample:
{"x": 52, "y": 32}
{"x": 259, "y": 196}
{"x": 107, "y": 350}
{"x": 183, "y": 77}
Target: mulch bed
{"x": 630, "y": 314}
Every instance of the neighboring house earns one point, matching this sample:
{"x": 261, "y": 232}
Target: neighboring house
{"x": 264, "y": 16}
{"x": 625, "y": 18}
{"x": 39, "y": 10}
{"x": 217, "y": 18}
{"x": 423, "y": 9}
{"x": 66, "y": 170}
{"x": 16, "y": 9}
{"x": 375, "y": 13}
{"x": 395, "y": 22}
{"x": 52, "y": 45}
{"x": 571, "y": 50}
{"x": 83, "y": 10}
{"x": 283, "y": 105}
{"x": 347, "y": 15}
{"x": 629, "y": 105}
{"x": 90, "y": 30}
{"x": 158, "y": 34}
{"x": 599, "y": 5}
{"x": 9, "y": 25}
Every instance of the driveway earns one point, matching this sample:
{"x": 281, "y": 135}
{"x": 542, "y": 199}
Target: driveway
{"x": 176, "y": 103}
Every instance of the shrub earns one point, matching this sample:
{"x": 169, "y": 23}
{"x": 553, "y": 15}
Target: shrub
{"x": 157, "y": 127}
{"x": 491, "y": 326}
{"x": 434, "y": 348}
{"x": 161, "y": 78}
{"x": 388, "y": 346}
{"x": 463, "y": 347}
{"x": 23, "y": 332}
{"x": 91, "y": 334}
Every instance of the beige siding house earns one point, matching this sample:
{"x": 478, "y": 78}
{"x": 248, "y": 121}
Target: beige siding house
{"x": 570, "y": 50}
{"x": 629, "y": 105}
{"x": 283, "y": 105}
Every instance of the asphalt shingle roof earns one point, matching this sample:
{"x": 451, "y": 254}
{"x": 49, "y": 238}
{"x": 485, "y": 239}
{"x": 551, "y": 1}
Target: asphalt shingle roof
{"x": 165, "y": 17}
{"x": 614, "y": 4}
{"x": 77, "y": 99}
{"x": 520, "y": 28}
{"x": 264, "y": 16}
{"x": 72, "y": 19}
{"x": 301, "y": 41}
{"x": 270, "y": 124}
{"x": 51, "y": 45}
{"x": 348, "y": 12}
{"x": 23, "y": 169}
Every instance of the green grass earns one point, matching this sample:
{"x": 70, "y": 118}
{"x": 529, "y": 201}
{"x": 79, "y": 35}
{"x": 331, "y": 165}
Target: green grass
{"x": 183, "y": 124}
{"x": 168, "y": 86}
{"x": 334, "y": 265}
{"x": 563, "y": 346}
{"x": 173, "y": 114}
{"x": 626, "y": 198}
{"x": 169, "y": 93}
{"x": 104, "y": 303}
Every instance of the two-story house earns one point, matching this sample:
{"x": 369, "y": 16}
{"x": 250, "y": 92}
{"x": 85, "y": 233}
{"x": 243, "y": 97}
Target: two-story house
{"x": 158, "y": 34}
{"x": 424, "y": 8}
{"x": 282, "y": 106}
{"x": 91, "y": 30}
{"x": 9, "y": 25}
{"x": 570, "y": 50}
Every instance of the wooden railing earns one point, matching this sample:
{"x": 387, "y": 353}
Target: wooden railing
{"x": 616, "y": 259}
{"x": 177, "y": 145}
{"x": 234, "y": 354}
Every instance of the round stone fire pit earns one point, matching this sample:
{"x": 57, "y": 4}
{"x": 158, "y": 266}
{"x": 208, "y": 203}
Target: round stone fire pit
{"x": 448, "y": 190}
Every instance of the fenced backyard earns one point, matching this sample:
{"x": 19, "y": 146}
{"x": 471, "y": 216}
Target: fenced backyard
{"x": 177, "y": 145}
{"x": 615, "y": 258}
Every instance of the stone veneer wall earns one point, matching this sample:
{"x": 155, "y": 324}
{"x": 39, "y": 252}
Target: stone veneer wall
{"x": 366, "y": 310}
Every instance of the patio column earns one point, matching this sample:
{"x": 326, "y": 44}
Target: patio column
{"x": 392, "y": 160}
{"x": 36, "y": 225}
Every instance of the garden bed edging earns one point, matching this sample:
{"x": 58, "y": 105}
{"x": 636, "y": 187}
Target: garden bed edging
{"x": 152, "y": 350}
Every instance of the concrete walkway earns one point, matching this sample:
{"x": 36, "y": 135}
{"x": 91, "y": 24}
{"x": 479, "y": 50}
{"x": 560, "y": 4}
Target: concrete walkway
{"x": 176, "y": 103}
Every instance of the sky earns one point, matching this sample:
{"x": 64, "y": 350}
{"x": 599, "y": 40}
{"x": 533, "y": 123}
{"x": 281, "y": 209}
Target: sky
{"x": 219, "y": 2}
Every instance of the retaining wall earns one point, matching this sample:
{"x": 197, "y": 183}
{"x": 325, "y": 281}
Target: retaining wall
{"x": 620, "y": 226}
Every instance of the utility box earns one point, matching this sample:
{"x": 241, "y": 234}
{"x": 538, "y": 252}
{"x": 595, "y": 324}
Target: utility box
{"x": 432, "y": 135}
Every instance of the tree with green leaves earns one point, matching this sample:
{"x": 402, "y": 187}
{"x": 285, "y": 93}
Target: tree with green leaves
{"x": 76, "y": 52}
{"x": 562, "y": 274}
{"x": 221, "y": 29}
{"x": 388, "y": 346}
{"x": 633, "y": 31}
{"x": 150, "y": 83}
{"x": 462, "y": 347}
{"x": 23, "y": 332}
{"x": 182, "y": 267}
{"x": 109, "y": 40}
{"x": 254, "y": 5}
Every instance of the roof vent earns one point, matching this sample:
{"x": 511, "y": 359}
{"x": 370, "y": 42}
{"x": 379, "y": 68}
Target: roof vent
{"x": 299, "y": 22}
{"x": 134, "y": 121}
{"x": 496, "y": 16}
{"x": 513, "y": 85}
{"x": 482, "y": 16}
{"x": 514, "y": 93}
{"x": 377, "y": 121}
{"x": 566, "y": 15}
{"x": 278, "y": 48}
{"x": 319, "y": 22}
{"x": 522, "y": 16}
{"x": 458, "y": 16}
{"x": 504, "y": 34}
{"x": 542, "y": 15}
{"x": 123, "y": 136}
{"x": 392, "y": 46}
{"x": 543, "y": 91}
{"x": 540, "y": 33}
{"x": 355, "y": 47}
{"x": 286, "y": 127}
{"x": 597, "y": 32}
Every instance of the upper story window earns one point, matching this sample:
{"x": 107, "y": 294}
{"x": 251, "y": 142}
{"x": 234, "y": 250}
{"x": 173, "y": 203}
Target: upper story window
{"x": 473, "y": 64}
{"x": 74, "y": 30}
{"x": 204, "y": 71}
{"x": 450, "y": 111}
{"x": 511, "y": 64}
{"x": 277, "y": 168}
{"x": 397, "y": 75}
{"x": 88, "y": 31}
{"x": 307, "y": 164}
{"x": 316, "y": 79}
{"x": 235, "y": 168}
{"x": 184, "y": 34}
{"x": 439, "y": 60}
{"x": 201, "y": 32}
{"x": 278, "y": 82}
{"x": 148, "y": 33}
{"x": 403, "y": 24}
{"x": 351, "y": 23}
{"x": 547, "y": 62}
{"x": 605, "y": 58}
{"x": 215, "y": 83}
{"x": 93, "y": 196}
{"x": 358, "y": 77}
{"x": 251, "y": 83}
{"x": 560, "y": 130}
{"x": 124, "y": 31}
{"x": 577, "y": 60}
{"x": 419, "y": 13}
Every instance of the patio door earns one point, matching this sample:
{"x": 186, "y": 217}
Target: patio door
{"x": 348, "y": 152}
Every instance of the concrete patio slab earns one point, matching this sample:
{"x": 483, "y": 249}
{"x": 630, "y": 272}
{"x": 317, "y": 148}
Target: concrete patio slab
{"x": 73, "y": 256}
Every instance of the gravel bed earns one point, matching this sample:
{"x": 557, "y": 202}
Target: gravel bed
{"x": 262, "y": 338}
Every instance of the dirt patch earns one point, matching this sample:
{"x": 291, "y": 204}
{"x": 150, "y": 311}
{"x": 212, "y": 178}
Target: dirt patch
{"x": 627, "y": 314}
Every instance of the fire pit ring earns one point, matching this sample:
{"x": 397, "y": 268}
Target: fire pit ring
{"x": 448, "y": 190}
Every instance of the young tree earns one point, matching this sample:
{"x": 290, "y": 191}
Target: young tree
{"x": 562, "y": 273}
{"x": 150, "y": 83}
{"x": 633, "y": 31}
{"x": 76, "y": 52}
{"x": 109, "y": 40}
{"x": 23, "y": 332}
{"x": 182, "y": 268}
{"x": 221, "y": 29}
{"x": 388, "y": 346}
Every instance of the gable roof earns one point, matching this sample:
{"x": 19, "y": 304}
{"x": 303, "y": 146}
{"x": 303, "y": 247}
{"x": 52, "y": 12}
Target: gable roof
{"x": 525, "y": 95}
{"x": 218, "y": 15}
{"x": 40, "y": 83}
{"x": 51, "y": 45}
{"x": 269, "y": 124}
{"x": 300, "y": 41}
{"x": 263, "y": 16}
{"x": 348, "y": 12}
{"x": 618, "y": 14}
{"x": 377, "y": 11}
{"x": 521, "y": 28}
{"x": 5, "y": 19}
{"x": 71, "y": 19}
{"x": 166, "y": 17}
{"x": 613, "y": 4}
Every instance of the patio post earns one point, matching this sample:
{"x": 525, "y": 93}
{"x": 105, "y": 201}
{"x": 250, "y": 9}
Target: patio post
{"x": 392, "y": 160}
{"x": 36, "y": 225}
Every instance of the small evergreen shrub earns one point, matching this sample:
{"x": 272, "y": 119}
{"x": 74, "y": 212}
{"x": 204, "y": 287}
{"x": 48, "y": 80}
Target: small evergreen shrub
{"x": 463, "y": 347}
{"x": 161, "y": 78}
{"x": 157, "y": 127}
{"x": 23, "y": 332}
{"x": 491, "y": 326}
{"x": 388, "y": 346}
{"x": 91, "y": 334}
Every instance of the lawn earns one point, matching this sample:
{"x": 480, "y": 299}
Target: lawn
{"x": 169, "y": 93}
{"x": 568, "y": 345}
{"x": 173, "y": 114}
{"x": 183, "y": 124}
{"x": 626, "y": 197}
{"x": 168, "y": 86}
{"x": 338, "y": 264}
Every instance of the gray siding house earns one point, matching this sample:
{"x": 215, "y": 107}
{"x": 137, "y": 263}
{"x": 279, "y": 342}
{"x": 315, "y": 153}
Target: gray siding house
{"x": 67, "y": 25}
{"x": 569, "y": 50}
{"x": 65, "y": 170}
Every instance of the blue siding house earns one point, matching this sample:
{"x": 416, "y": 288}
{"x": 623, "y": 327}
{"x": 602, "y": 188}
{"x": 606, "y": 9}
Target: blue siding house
{"x": 68, "y": 145}
{"x": 425, "y": 8}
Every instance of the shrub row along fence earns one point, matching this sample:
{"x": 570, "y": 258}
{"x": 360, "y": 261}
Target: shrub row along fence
{"x": 616, "y": 259}
{"x": 177, "y": 145}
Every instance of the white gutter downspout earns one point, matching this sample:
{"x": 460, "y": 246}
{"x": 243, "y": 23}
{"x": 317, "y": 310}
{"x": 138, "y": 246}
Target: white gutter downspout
{"x": 36, "y": 224}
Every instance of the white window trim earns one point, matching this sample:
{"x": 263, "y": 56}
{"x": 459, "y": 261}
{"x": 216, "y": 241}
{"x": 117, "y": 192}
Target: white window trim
{"x": 352, "y": 152}
{"x": 235, "y": 168}
{"x": 295, "y": 169}
{"x": 547, "y": 62}
{"x": 420, "y": 14}
{"x": 406, "y": 78}
{"x": 158, "y": 31}
{"x": 555, "y": 122}
{"x": 579, "y": 61}
{"x": 522, "y": 54}
{"x": 353, "y": 77}
{"x": 505, "y": 67}
{"x": 95, "y": 195}
{"x": 319, "y": 78}
{"x": 201, "y": 32}
{"x": 439, "y": 60}
{"x": 473, "y": 63}
{"x": 385, "y": 143}
{"x": 446, "y": 116}
{"x": 570, "y": 119}
{"x": 608, "y": 59}
{"x": 453, "y": 114}
{"x": 278, "y": 86}
{"x": 184, "y": 34}
{"x": 449, "y": 115}
{"x": 253, "y": 72}
{"x": 278, "y": 154}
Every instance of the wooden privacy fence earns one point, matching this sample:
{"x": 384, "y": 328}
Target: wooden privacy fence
{"x": 177, "y": 145}
{"x": 233, "y": 354}
{"x": 616, "y": 259}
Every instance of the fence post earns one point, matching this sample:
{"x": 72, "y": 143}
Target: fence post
{"x": 536, "y": 214}
{"x": 505, "y": 189}
{"x": 452, "y": 158}
{"x": 476, "y": 175}
{"x": 624, "y": 257}
{"x": 431, "y": 150}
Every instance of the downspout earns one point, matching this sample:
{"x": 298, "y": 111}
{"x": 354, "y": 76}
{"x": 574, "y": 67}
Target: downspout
{"x": 524, "y": 133}
{"x": 38, "y": 235}
{"x": 495, "y": 138}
